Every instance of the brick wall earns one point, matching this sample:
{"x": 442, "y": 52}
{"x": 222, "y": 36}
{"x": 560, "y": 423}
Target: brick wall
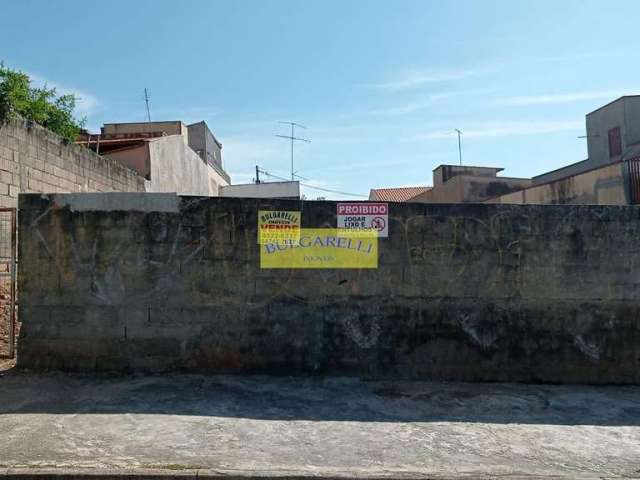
{"x": 33, "y": 159}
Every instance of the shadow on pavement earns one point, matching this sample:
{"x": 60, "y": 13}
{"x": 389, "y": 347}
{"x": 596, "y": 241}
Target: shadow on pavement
{"x": 320, "y": 399}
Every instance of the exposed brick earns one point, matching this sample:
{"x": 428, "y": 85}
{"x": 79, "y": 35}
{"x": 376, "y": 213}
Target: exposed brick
{"x": 6, "y": 177}
{"x": 37, "y": 160}
{"x": 35, "y": 185}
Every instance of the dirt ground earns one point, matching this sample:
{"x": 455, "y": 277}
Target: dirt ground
{"x": 5, "y": 324}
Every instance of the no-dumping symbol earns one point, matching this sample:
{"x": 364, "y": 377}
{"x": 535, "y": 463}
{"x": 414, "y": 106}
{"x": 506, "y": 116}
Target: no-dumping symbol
{"x": 378, "y": 223}
{"x": 363, "y": 217}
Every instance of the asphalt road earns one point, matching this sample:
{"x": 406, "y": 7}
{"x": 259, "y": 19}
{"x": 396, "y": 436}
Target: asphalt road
{"x": 274, "y": 427}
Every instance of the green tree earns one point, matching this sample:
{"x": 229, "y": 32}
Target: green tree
{"x": 41, "y": 105}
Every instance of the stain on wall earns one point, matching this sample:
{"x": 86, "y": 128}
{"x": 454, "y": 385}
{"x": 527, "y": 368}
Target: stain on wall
{"x": 471, "y": 292}
{"x": 599, "y": 186}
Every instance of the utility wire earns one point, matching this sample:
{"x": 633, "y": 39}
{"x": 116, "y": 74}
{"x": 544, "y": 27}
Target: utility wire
{"x": 314, "y": 187}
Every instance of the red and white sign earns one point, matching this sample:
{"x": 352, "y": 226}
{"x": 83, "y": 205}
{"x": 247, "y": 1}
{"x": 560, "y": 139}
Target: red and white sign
{"x": 364, "y": 216}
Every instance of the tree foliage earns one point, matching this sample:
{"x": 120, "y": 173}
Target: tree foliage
{"x": 42, "y": 105}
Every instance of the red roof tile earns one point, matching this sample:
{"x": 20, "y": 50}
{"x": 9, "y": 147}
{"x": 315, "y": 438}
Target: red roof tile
{"x": 402, "y": 194}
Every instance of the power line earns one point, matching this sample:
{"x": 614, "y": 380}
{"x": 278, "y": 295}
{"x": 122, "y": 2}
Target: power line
{"x": 313, "y": 186}
{"x": 292, "y": 138}
{"x": 334, "y": 191}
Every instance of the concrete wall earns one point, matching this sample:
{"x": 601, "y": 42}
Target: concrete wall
{"x": 135, "y": 158}
{"x": 562, "y": 172}
{"x": 463, "y": 188}
{"x": 204, "y": 143}
{"x": 175, "y": 167}
{"x": 33, "y": 159}
{"x": 600, "y": 186}
{"x": 599, "y": 123}
{"x": 624, "y": 113}
{"x": 135, "y": 282}
{"x": 632, "y": 120}
{"x": 442, "y": 173}
{"x": 133, "y": 128}
{"x": 263, "y": 190}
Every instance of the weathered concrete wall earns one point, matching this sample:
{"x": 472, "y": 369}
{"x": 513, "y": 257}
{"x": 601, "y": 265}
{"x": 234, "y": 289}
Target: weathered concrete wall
{"x": 470, "y": 189}
{"x": 134, "y": 282}
{"x": 290, "y": 190}
{"x": 33, "y": 159}
{"x": 175, "y": 167}
{"x": 133, "y": 128}
{"x": 203, "y": 142}
{"x": 599, "y": 186}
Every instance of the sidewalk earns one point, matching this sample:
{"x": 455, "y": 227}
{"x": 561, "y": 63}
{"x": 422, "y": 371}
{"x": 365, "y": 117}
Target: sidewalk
{"x": 192, "y": 425}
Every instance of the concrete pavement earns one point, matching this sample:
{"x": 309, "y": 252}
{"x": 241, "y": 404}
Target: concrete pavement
{"x": 194, "y": 425}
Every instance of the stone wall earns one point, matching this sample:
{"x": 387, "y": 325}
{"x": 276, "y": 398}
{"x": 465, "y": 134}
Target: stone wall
{"x": 142, "y": 282}
{"x": 33, "y": 159}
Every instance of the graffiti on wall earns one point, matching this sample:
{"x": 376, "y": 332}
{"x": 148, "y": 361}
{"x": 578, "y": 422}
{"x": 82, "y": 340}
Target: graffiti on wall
{"x": 208, "y": 256}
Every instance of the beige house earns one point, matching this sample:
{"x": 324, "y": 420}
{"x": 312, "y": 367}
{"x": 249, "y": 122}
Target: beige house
{"x": 160, "y": 152}
{"x": 454, "y": 184}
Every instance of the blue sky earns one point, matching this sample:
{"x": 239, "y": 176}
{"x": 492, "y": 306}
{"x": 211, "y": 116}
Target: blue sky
{"x": 379, "y": 84}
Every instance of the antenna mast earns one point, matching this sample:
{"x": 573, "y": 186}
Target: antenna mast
{"x": 146, "y": 101}
{"x": 459, "y": 145}
{"x": 292, "y": 138}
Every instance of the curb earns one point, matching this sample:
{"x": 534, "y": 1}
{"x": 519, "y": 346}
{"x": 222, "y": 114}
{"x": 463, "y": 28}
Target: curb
{"x": 210, "y": 474}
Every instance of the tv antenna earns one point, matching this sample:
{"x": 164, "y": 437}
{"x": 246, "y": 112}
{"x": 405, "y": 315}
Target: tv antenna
{"x": 292, "y": 138}
{"x": 146, "y": 101}
{"x": 459, "y": 132}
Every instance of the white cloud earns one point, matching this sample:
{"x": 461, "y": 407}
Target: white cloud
{"x": 416, "y": 78}
{"x": 423, "y": 103}
{"x": 568, "y": 97}
{"x": 86, "y": 103}
{"x": 503, "y": 129}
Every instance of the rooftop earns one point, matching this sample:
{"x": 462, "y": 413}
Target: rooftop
{"x": 613, "y": 101}
{"x": 467, "y": 167}
{"x": 400, "y": 194}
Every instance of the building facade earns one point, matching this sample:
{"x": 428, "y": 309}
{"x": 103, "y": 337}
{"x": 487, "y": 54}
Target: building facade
{"x": 611, "y": 173}
{"x": 286, "y": 190}
{"x": 205, "y": 144}
{"x": 454, "y": 184}
{"x": 162, "y": 153}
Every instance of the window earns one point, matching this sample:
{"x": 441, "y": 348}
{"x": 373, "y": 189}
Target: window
{"x": 615, "y": 142}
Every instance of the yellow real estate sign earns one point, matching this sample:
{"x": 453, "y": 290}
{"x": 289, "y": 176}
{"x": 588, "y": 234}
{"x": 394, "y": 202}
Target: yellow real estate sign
{"x": 322, "y": 248}
{"x": 278, "y": 226}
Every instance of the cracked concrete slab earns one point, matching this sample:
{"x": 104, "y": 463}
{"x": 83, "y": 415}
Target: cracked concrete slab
{"x": 195, "y": 425}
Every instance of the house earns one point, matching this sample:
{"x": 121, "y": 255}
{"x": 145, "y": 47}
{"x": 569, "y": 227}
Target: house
{"x": 454, "y": 184}
{"x": 469, "y": 184}
{"x": 400, "y": 194}
{"x": 171, "y": 156}
{"x": 611, "y": 173}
